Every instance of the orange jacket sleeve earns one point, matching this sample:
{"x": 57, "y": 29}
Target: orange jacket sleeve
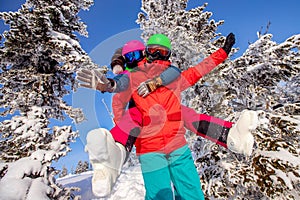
{"x": 193, "y": 74}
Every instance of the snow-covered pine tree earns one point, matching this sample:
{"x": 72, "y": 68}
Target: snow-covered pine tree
{"x": 85, "y": 166}
{"x": 81, "y": 167}
{"x": 265, "y": 78}
{"x": 64, "y": 172}
{"x": 39, "y": 55}
{"x": 193, "y": 35}
{"x": 78, "y": 169}
{"x": 28, "y": 149}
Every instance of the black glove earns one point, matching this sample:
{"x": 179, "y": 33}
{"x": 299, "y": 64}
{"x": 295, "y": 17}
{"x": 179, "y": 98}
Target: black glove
{"x": 229, "y": 42}
{"x": 117, "y": 59}
{"x": 120, "y": 62}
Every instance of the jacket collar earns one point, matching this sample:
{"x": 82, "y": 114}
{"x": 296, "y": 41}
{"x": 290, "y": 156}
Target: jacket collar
{"x": 162, "y": 62}
{"x": 144, "y": 65}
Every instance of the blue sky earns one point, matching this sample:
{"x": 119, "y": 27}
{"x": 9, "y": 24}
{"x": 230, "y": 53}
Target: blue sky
{"x": 112, "y": 23}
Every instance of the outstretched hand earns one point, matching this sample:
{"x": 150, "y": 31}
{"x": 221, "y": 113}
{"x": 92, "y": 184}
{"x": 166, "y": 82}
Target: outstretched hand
{"x": 94, "y": 79}
{"x": 229, "y": 42}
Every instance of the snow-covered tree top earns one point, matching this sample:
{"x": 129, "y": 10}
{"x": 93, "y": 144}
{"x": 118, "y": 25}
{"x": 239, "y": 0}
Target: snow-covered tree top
{"x": 192, "y": 34}
{"x": 40, "y": 54}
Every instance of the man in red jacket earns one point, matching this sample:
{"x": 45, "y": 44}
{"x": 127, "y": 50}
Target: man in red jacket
{"x": 162, "y": 132}
{"x": 162, "y": 148}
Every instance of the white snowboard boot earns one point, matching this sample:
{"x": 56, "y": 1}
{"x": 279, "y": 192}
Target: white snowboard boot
{"x": 240, "y": 138}
{"x": 107, "y": 158}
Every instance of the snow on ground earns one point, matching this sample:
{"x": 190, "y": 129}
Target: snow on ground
{"x": 129, "y": 185}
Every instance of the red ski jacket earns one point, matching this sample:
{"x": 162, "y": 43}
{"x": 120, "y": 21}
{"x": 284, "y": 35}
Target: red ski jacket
{"x": 162, "y": 125}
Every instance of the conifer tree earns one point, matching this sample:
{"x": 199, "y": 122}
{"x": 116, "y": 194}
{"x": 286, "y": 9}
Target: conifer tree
{"x": 64, "y": 172}
{"x": 39, "y": 54}
{"x": 264, "y": 79}
{"x": 85, "y": 166}
{"x": 81, "y": 167}
{"x": 78, "y": 169}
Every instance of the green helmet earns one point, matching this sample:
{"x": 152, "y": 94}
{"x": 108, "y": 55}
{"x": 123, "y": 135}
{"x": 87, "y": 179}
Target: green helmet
{"x": 160, "y": 39}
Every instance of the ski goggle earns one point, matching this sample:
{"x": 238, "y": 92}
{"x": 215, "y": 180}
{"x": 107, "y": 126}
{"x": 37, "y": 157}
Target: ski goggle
{"x": 133, "y": 56}
{"x": 157, "y": 49}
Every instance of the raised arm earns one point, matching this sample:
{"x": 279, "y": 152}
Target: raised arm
{"x": 192, "y": 75}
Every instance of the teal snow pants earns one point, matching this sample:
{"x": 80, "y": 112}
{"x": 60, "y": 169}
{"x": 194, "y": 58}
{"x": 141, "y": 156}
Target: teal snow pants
{"x": 160, "y": 170}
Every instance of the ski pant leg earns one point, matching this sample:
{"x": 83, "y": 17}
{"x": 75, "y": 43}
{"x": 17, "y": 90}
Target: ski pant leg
{"x": 128, "y": 128}
{"x": 184, "y": 175}
{"x": 212, "y": 128}
{"x": 156, "y": 176}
